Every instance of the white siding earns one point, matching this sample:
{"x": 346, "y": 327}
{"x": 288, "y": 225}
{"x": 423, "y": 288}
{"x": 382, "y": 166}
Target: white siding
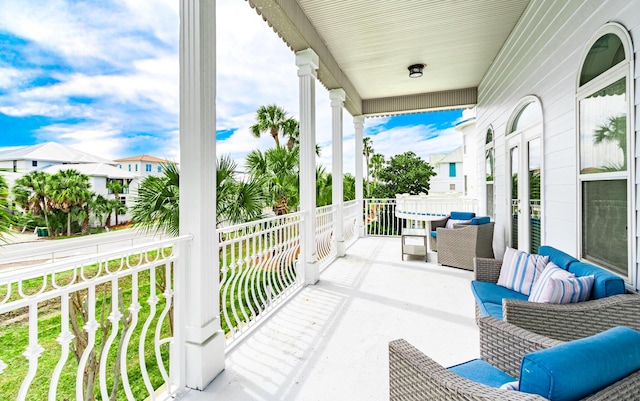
{"x": 542, "y": 58}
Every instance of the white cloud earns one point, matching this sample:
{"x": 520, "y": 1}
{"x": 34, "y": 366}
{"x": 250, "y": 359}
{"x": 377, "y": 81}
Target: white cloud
{"x": 11, "y": 77}
{"x": 101, "y": 140}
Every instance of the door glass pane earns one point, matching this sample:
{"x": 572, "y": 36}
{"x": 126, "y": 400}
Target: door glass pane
{"x": 604, "y": 224}
{"x": 535, "y": 150}
{"x": 514, "y": 197}
{"x": 603, "y": 130}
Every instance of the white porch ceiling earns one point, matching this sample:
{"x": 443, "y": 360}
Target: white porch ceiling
{"x": 365, "y": 47}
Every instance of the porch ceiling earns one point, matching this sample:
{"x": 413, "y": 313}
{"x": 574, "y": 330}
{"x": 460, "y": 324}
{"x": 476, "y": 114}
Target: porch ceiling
{"x": 366, "y": 46}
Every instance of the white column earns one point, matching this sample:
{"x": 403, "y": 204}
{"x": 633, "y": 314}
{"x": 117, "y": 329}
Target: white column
{"x": 337, "y": 97}
{"x": 197, "y": 273}
{"x": 307, "y": 62}
{"x": 358, "y": 124}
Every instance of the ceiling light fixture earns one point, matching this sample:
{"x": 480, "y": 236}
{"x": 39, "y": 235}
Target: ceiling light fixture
{"x": 415, "y": 70}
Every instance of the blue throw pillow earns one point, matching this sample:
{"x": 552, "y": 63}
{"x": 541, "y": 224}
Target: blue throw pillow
{"x": 476, "y": 221}
{"x": 462, "y": 215}
{"x": 573, "y": 370}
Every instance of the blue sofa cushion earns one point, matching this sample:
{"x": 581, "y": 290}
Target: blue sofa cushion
{"x": 462, "y": 215}
{"x": 489, "y": 297}
{"x": 480, "y": 371}
{"x": 434, "y": 234}
{"x": 476, "y": 221}
{"x": 605, "y": 283}
{"x": 573, "y": 370}
{"x": 563, "y": 260}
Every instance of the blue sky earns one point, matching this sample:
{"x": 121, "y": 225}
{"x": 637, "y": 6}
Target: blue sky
{"x": 102, "y": 77}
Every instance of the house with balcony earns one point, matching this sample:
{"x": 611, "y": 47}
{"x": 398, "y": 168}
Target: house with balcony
{"x": 302, "y": 306}
{"x": 142, "y": 165}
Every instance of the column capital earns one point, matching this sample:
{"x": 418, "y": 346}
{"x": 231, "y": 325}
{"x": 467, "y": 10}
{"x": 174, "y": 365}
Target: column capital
{"x": 337, "y": 97}
{"x": 358, "y": 121}
{"x": 307, "y": 60}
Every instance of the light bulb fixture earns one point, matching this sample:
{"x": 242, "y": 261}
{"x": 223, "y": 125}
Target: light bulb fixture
{"x": 415, "y": 70}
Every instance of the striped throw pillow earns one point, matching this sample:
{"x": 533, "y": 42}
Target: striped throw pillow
{"x": 520, "y": 270}
{"x": 557, "y": 286}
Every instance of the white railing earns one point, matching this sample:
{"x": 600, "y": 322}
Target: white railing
{"x": 350, "y": 214}
{"x": 380, "y": 218}
{"x": 427, "y": 207}
{"x": 102, "y": 322}
{"x": 325, "y": 241}
{"x": 258, "y": 270}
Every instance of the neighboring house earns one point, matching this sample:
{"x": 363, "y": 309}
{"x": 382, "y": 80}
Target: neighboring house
{"x": 52, "y": 157}
{"x": 469, "y": 157}
{"x": 142, "y": 165}
{"x": 449, "y": 178}
{"x": 23, "y": 159}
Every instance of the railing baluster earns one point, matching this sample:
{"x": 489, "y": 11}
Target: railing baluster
{"x": 152, "y": 301}
{"x": 33, "y": 351}
{"x": 114, "y": 318}
{"x": 134, "y": 309}
{"x": 91, "y": 326}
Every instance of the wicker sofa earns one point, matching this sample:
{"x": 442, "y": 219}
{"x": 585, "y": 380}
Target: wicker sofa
{"x": 608, "y": 307}
{"x": 414, "y": 376}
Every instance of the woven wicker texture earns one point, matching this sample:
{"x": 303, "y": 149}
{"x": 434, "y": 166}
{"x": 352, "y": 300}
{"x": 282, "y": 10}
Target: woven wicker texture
{"x": 414, "y": 376}
{"x": 487, "y": 269}
{"x": 458, "y": 246}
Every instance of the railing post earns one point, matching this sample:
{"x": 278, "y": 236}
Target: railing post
{"x": 358, "y": 124}
{"x": 198, "y": 269}
{"x": 308, "y": 62}
{"x": 337, "y": 101}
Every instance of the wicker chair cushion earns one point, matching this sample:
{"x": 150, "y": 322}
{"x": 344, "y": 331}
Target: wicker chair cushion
{"x": 520, "y": 270}
{"x": 563, "y": 260}
{"x": 452, "y": 222}
{"x": 480, "y": 371}
{"x": 573, "y": 370}
{"x": 605, "y": 283}
{"x": 462, "y": 215}
{"x": 476, "y": 221}
{"x": 558, "y": 286}
{"x": 489, "y": 297}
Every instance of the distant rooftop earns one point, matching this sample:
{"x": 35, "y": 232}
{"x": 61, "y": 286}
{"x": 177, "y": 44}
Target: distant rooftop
{"x": 93, "y": 170}
{"x": 50, "y": 151}
{"x": 143, "y": 158}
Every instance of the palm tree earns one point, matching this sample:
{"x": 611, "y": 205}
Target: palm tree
{"x": 68, "y": 188}
{"x": 30, "y": 193}
{"x": 324, "y": 192}
{"x": 156, "y": 206}
{"x": 278, "y": 168}
{"x": 271, "y": 119}
{"x": 376, "y": 164}
{"x": 367, "y": 150}
{"x": 291, "y": 130}
{"x": 100, "y": 208}
{"x": 6, "y": 216}
{"x": 614, "y": 130}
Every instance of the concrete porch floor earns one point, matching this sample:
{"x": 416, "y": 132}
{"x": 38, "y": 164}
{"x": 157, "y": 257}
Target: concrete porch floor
{"x": 330, "y": 341}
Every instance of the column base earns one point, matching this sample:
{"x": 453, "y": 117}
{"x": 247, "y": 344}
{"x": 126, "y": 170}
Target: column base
{"x": 340, "y": 249}
{"x": 204, "y": 361}
{"x": 311, "y": 273}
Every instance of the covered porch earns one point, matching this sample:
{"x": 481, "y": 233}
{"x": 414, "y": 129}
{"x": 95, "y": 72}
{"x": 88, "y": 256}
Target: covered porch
{"x": 330, "y": 341}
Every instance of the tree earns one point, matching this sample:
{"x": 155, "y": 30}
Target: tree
{"x": 367, "y": 151}
{"x": 348, "y": 187}
{"x": 272, "y": 119}
{"x": 375, "y": 164}
{"x": 30, "y": 192}
{"x": 614, "y": 130}
{"x": 6, "y": 211}
{"x": 324, "y": 189}
{"x": 66, "y": 189}
{"x": 404, "y": 173}
{"x": 291, "y": 130}
{"x": 156, "y": 207}
{"x": 278, "y": 169}
{"x": 100, "y": 208}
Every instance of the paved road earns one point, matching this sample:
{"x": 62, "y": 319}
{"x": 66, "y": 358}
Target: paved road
{"x": 29, "y": 248}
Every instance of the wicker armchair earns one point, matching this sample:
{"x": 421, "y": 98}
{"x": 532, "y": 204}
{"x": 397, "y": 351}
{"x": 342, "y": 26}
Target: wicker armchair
{"x": 459, "y": 246}
{"x": 564, "y": 322}
{"x": 414, "y": 376}
{"x": 442, "y": 223}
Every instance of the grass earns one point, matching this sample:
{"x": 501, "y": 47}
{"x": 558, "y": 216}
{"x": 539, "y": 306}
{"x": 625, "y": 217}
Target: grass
{"x": 247, "y": 299}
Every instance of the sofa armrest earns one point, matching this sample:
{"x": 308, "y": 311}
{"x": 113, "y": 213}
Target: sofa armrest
{"x": 503, "y": 344}
{"x": 413, "y": 376}
{"x": 572, "y": 321}
{"x": 487, "y": 269}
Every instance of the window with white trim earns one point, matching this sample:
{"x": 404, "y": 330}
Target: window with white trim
{"x": 605, "y": 86}
{"x": 489, "y": 157}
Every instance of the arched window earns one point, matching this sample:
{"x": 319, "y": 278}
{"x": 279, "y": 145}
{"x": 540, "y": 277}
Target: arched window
{"x": 604, "y": 87}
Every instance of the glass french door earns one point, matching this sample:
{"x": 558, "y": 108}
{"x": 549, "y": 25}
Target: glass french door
{"x": 524, "y": 187}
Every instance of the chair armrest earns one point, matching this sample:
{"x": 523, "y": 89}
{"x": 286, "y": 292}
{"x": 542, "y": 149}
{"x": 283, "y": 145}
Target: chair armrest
{"x": 572, "y": 321}
{"x": 503, "y": 344}
{"x": 487, "y": 269}
{"x": 624, "y": 389}
{"x": 413, "y": 376}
